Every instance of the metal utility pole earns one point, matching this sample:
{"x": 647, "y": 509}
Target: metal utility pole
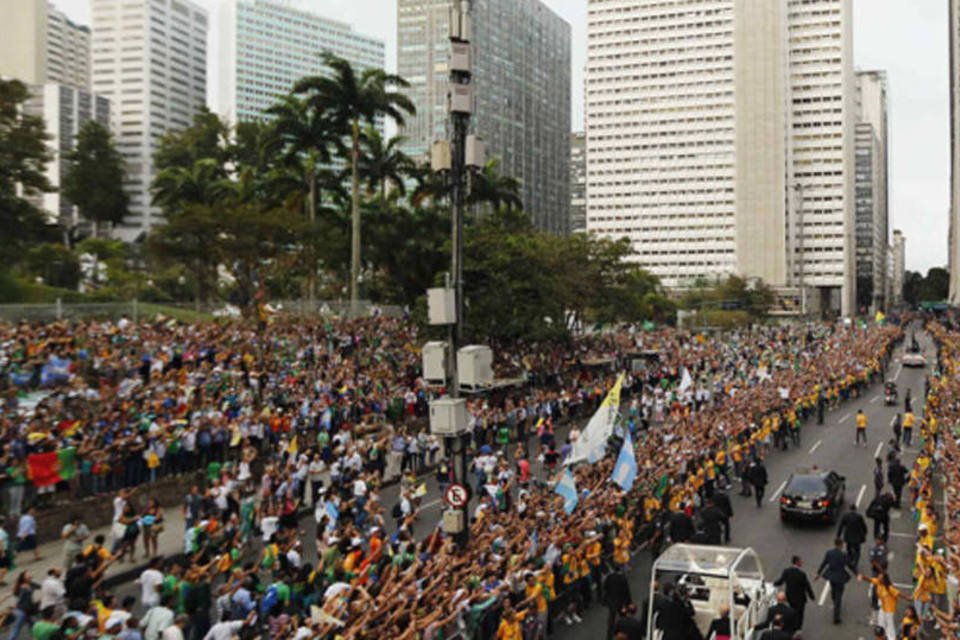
{"x": 460, "y": 108}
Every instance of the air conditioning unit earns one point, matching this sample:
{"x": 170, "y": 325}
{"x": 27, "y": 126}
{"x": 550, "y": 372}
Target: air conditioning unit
{"x": 475, "y": 367}
{"x": 460, "y": 61}
{"x": 441, "y": 306}
{"x": 436, "y": 363}
{"x": 448, "y": 416}
{"x": 461, "y": 98}
{"x": 476, "y": 152}
{"x": 460, "y": 27}
{"x": 440, "y": 159}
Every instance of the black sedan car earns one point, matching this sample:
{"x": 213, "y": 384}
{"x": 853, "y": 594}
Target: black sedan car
{"x": 813, "y": 495}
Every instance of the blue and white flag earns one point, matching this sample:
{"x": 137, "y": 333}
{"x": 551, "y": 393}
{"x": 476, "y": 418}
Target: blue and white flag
{"x": 326, "y": 420}
{"x": 567, "y": 489}
{"x": 332, "y": 511}
{"x": 625, "y": 470}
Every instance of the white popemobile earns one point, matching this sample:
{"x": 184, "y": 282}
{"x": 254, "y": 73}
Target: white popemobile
{"x": 713, "y": 578}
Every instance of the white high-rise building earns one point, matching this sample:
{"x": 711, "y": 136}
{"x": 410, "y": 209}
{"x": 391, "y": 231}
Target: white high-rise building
{"x": 899, "y": 266}
{"x": 720, "y": 139}
{"x": 871, "y": 188}
{"x": 953, "y": 243}
{"x": 150, "y": 60}
{"x": 65, "y": 110}
{"x": 265, "y": 46}
{"x": 40, "y": 45}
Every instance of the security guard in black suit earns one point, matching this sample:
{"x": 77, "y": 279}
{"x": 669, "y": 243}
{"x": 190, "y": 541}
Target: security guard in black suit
{"x": 797, "y": 586}
{"x": 836, "y": 571}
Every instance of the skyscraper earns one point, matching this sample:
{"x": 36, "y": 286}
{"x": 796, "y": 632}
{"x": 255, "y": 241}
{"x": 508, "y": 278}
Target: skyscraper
{"x": 899, "y": 266}
{"x": 871, "y": 188}
{"x": 150, "y": 60}
{"x": 40, "y": 44}
{"x": 265, "y": 46}
{"x": 953, "y": 243}
{"x": 720, "y": 139}
{"x": 65, "y": 110}
{"x": 578, "y": 181}
{"x": 521, "y": 78}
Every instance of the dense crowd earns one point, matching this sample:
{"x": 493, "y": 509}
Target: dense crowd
{"x": 324, "y": 414}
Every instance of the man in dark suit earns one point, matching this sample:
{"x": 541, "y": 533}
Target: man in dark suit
{"x": 722, "y": 500}
{"x": 835, "y": 570}
{"x": 781, "y": 611}
{"x": 713, "y": 522}
{"x": 680, "y": 527}
{"x": 616, "y": 596}
{"x": 897, "y": 477}
{"x": 757, "y": 474}
{"x": 776, "y": 631}
{"x": 797, "y": 587}
{"x": 853, "y": 530}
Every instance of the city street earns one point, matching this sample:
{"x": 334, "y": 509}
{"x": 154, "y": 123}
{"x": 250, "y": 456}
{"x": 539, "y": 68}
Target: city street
{"x": 830, "y": 447}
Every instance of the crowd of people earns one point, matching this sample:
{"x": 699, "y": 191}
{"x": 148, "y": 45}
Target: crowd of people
{"x": 325, "y": 414}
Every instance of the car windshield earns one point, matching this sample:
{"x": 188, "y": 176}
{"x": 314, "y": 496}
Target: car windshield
{"x": 806, "y": 485}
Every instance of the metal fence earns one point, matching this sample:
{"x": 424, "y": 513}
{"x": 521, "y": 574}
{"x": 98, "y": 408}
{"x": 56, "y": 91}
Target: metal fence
{"x": 136, "y": 310}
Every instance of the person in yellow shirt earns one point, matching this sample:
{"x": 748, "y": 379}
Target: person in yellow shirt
{"x": 908, "y": 421}
{"x": 861, "y": 428}
{"x": 887, "y": 595}
{"x": 535, "y": 594}
{"x": 510, "y": 624}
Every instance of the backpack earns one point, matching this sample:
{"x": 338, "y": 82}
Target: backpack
{"x": 396, "y": 512}
{"x": 874, "y": 510}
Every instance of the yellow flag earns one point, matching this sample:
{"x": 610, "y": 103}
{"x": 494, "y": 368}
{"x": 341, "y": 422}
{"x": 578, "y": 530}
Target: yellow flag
{"x": 235, "y": 438}
{"x": 292, "y": 448}
{"x": 613, "y": 396}
{"x": 420, "y": 491}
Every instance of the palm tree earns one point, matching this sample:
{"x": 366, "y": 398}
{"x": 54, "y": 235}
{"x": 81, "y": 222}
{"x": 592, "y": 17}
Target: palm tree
{"x": 203, "y": 182}
{"x": 306, "y": 133}
{"x": 353, "y": 101}
{"x": 490, "y": 187}
{"x": 382, "y": 164}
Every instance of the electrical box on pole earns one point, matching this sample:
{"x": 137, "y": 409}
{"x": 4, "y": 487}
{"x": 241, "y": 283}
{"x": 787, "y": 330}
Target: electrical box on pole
{"x": 440, "y": 159}
{"x": 461, "y": 99}
{"x": 436, "y": 362}
{"x": 475, "y": 366}
{"x": 441, "y": 306}
{"x": 448, "y": 416}
{"x": 476, "y": 154}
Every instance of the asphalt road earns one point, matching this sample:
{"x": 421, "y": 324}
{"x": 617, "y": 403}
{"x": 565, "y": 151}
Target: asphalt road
{"x": 830, "y": 446}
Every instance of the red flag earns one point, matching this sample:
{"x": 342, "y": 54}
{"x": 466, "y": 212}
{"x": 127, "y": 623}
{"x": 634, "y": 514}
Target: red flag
{"x": 43, "y": 468}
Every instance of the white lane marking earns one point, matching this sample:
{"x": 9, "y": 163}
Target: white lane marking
{"x": 431, "y": 504}
{"x": 903, "y": 585}
{"x": 844, "y": 418}
{"x": 892, "y": 420}
{"x": 902, "y": 535}
{"x": 876, "y": 454}
{"x": 816, "y": 445}
{"x": 823, "y": 594}
{"x": 895, "y": 515}
{"x": 899, "y": 369}
{"x": 779, "y": 489}
{"x": 863, "y": 488}
{"x": 874, "y": 398}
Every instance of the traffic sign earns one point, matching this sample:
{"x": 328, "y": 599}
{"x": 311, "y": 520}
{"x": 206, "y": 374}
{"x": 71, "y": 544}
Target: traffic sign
{"x": 456, "y": 496}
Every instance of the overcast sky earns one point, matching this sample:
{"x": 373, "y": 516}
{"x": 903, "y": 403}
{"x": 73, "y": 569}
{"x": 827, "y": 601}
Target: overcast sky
{"x": 908, "y": 38}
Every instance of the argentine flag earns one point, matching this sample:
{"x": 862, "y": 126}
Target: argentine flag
{"x": 567, "y": 489}
{"x": 332, "y": 511}
{"x": 625, "y": 470}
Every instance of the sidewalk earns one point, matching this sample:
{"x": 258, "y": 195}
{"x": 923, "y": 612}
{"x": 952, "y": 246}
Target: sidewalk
{"x": 169, "y": 543}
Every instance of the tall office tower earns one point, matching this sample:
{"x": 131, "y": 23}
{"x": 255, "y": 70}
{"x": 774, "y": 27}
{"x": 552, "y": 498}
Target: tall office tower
{"x": 870, "y": 242}
{"x": 953, "y": 244}
{"x": 40, "y": 44}
{"x": 265, "y": 46}
{"x": 899, "y": 266}
{"x": 65, "y": 110}
{"x": 150, "y": 60}
{"x": 521, "y": 79}
{"x": 68, "y": 51}
{"x": 702, "y": 118}
{"x": 578, "y": 182}
{"x": 871, "y": 188}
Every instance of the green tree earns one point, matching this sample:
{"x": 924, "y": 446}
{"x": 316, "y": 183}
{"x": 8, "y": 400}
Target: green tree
{"x": 23, "y": 158}
{"x": 382, "y": 163}
{"x": 95, "y": 176}
{"x": 54, "y": 263}
{"x": 355, "y": 101}
{"x": 207, "y": 137}
{"x": 489, "y": 188}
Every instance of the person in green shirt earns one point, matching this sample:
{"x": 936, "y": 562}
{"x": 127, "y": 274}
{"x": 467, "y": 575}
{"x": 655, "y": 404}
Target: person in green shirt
{"x": 16, "y": 485}
{"x": 45, "y": 628}
{"x": 213, "y": 471}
